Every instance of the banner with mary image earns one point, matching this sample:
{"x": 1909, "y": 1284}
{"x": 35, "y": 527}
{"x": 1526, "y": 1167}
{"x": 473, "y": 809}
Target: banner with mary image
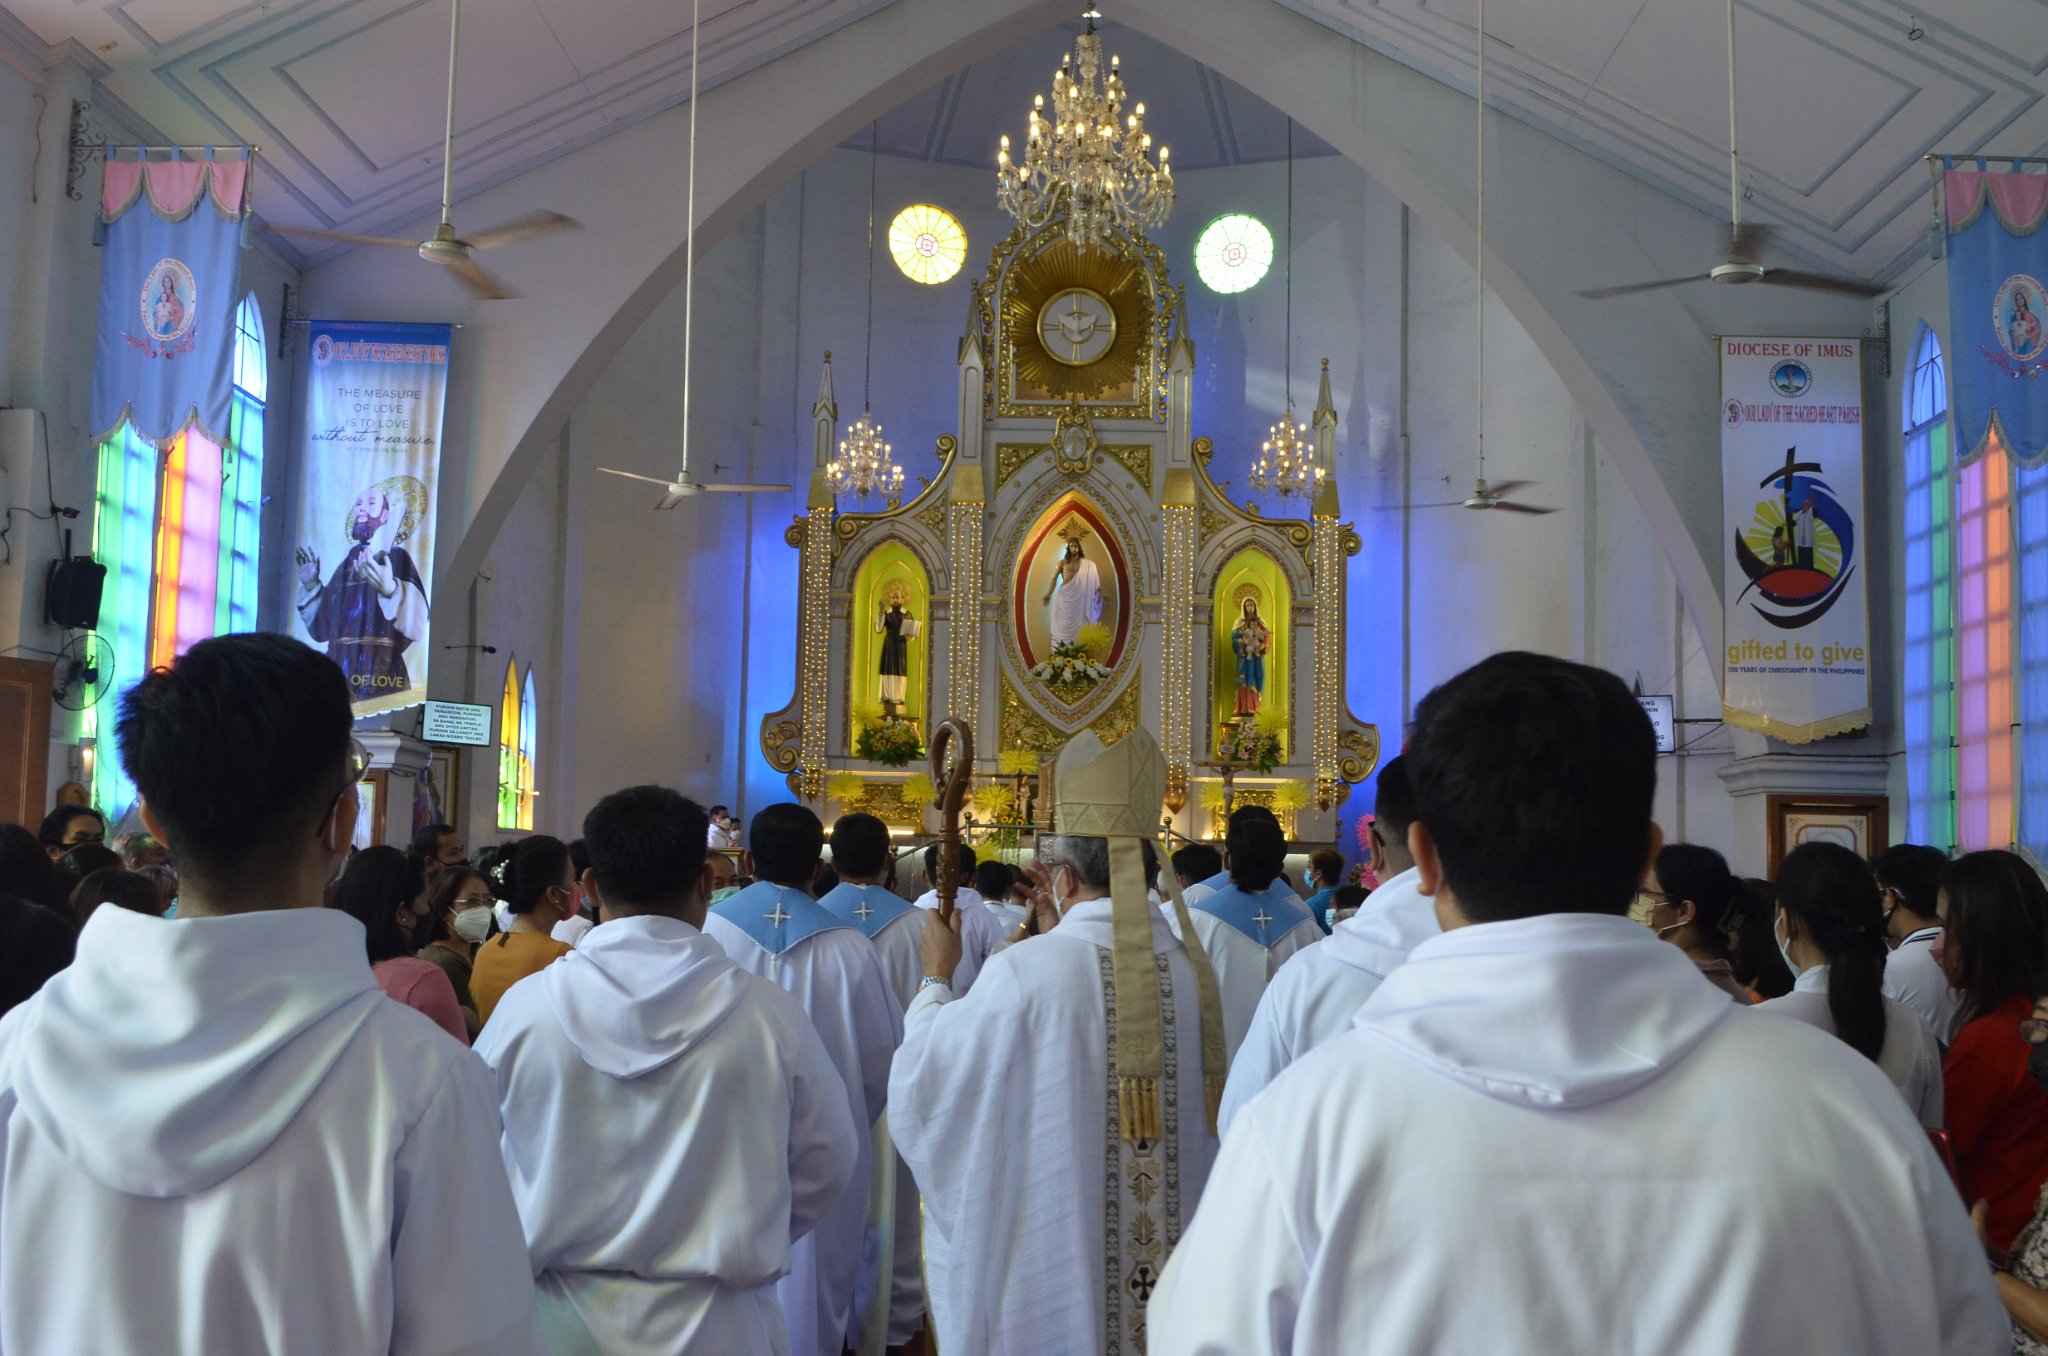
{"x": 1998, "y": 307}
{"x": 364, "y": 536}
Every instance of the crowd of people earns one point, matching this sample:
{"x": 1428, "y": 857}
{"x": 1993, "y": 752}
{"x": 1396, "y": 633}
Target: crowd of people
{"x": 680, "y": 1086}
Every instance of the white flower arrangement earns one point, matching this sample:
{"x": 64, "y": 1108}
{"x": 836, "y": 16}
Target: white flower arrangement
{"x": 1069, "y": 664}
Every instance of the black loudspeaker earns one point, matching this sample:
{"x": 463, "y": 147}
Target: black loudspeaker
{"x": 73, "y": 598}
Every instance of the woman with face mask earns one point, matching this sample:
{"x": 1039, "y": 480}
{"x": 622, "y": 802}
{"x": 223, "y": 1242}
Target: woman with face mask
{"x": 460, "y": 900}
{"x": 1692, "y": 900}
{"x": 1993, "y": 946}
{"x": 1830, "y": 929}
{"x": 378, "y": 888}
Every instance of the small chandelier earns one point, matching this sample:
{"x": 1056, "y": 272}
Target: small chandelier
{"x": 1082, "y": 157}
{"x": 863, "y": 466}
{"x": 1287, "y": 464}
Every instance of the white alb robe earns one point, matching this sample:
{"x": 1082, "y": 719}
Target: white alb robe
{"x": 1243, "y": 967}
{"x": 1909, "y": 1055}
{"x": 218, "y": 1135}
{"x": 672, "y": 1125}
{"x": 1914, "y": 977}
{"x": 1315, "y": 995}
{"x": 1002, "y": 1104}
{"x": 836, "y": 977}
{"x": 1552, "y": 1135}
{"x": 981, "y": 936}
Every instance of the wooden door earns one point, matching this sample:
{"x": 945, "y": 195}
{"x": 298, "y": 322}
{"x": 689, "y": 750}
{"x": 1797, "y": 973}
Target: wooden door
{"x": 24, "y": 740}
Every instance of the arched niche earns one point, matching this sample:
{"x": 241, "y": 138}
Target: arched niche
{"x": 1255, "y": 577}
{"x": 1071, "y": 517}
{"x": 889, "y": 574}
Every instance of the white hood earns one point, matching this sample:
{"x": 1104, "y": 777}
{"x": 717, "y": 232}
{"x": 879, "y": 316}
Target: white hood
{"x": 640, "y": 992}
{"x": 1562, "y": 1010}
{"x": 1393, "y": 921}
{"x": 172, "y": 1053}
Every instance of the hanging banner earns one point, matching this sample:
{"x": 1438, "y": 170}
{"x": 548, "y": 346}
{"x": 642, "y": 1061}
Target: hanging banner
{"x": 364, "y": 535}
{"x": 1798, "y": 631}
{"x": 170, "y": 278}
{"x": 1997, "y": 309}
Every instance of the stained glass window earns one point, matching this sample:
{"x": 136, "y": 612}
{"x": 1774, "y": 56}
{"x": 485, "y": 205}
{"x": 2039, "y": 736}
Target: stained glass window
{"x": 1233, "y": 252}
{"x": 928, "y": 243}
{"x": 1930, "y": 603}
{"x": 508, "y": 748}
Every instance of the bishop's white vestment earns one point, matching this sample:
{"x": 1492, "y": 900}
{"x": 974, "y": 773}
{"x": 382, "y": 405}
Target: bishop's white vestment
{"x": 1552, "y": 1135}
{"x": 672, "y": 1126}
{"x": 981, "y": 935}
{"x": 1315, "y": 995}
{"x": 1044, "y": 1228}
{"x": 217, "y": 1135}
{"x": 830, "y": 968}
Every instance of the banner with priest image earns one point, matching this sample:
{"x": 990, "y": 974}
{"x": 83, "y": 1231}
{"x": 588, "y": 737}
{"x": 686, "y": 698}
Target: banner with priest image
{"x": 1797, "y": 629}
{"x": 364, "y": 536}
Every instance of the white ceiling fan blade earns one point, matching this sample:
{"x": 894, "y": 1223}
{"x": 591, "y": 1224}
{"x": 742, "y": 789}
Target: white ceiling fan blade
{"x": 673, "y": 498}
{"x": 532, "y": 226}
{"x": 1501, "y": 488}
{"x": 635, "y": 475}
{"x": 746, "y": 489}
{"x": 1629, "y": 289}
{"x": 1403, "y": 508}
{"x": 1511, "y": 507}
{"x": 341, "y": 237}
{"x": 1819, "y": 282}
{"x": 478, "y": 279}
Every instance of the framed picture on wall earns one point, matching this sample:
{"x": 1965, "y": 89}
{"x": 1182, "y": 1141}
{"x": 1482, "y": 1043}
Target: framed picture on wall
{"x": 1861, "y": 824}
{"x": 436, "y": 793}
{"x": 370, "y": 819}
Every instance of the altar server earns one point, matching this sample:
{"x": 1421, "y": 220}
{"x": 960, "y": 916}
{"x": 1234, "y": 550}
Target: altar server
{"x": 860, "y": 853}
{"x": 672, "y": 1123}
{"x": 1059, "y": 1161}
{"x": 774, "y": 929}
{"x": 217, "y": 1134}
{"x": 981, "y": 931}
{"x": 1547, "y": 1132}
{"x": 1219, "y": 878}
{"x": 1321, "y": 988}
{"x": 1253, "y": 924}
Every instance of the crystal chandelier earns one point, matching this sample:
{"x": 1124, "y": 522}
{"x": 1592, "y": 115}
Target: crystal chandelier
{"x": 1082, "y": 157}
{"x": 863, "y": 466}
{"x": 1287, "y": 463}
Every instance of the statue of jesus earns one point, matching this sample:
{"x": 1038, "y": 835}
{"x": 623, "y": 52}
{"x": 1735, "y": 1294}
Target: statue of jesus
{"x": 1074, "y": 595}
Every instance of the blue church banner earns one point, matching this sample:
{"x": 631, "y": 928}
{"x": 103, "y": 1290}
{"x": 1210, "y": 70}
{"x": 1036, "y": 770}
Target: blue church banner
{"x": 170, "y": 273}
{"x": 1997, "y": 308}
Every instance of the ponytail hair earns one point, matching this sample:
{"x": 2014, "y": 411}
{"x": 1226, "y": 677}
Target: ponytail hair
{"x": 1833, "y": 894}
{"x": 521, "y": 873}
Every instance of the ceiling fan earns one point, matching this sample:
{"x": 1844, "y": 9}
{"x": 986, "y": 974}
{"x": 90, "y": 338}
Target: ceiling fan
{"x": 455, "y": 253}
{"x": 683, "y": 486}
{"x": 1485, "y": 496}
{"x": 1740, "y": 264}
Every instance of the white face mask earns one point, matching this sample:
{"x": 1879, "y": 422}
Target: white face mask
{"x": 1784, "y": 947}
{"x": 473, "y": 925}
{"x": 1052, "y": 887}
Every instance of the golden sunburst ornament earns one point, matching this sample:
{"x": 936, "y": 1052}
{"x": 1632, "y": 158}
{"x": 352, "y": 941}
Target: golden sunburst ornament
{"x": 1077, "y": 320}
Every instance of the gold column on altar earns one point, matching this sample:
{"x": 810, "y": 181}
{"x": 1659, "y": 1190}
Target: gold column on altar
{"x": 1326, "y": 556}
{"x": 1177, "y": 604}
{"x": 966, "y": 510}
{"x": 814, "y": 632}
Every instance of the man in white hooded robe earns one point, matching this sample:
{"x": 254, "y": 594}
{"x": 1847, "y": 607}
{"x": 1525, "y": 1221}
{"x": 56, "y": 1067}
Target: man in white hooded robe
{"x": 217, "y": 1135}
{"x": 673, "y": 1125}
{"x": 1547, "y": 1132}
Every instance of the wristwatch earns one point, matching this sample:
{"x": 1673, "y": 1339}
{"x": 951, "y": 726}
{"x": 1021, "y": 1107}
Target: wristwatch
{"x": 929, "y": 980}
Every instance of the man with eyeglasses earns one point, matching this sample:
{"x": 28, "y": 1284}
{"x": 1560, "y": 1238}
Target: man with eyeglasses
{"x": 1910, "y": 876}
{"x": 216, "y": 1133}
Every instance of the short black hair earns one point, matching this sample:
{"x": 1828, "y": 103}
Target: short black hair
{"x": 1348, "y": 897}
{"x": 647, "y": 846}
{"x": 1258, "y": 851}
{"x": 35, "y": 943}
{"x": 1393, "y": 803}
{"x": 58, "y": 822}
{"x": 579, "y": 857}
{"x": 719, "y": 810}
{"x": 1914, "y": 871}
{"x": 82, "y": 860}
{"x": 1690, "y": 871}
{"x": 1328, "y": 866}
{"x": 426, "y": 839}
{"x": 374, "y": 886}
{"x": 283, "y": 705}
{"x": 964, "y": 858}
{"x": 786, "y": 841}
{"x": 1534, "y": 777}
{"x": 122, "y": 888}
{"x": 1197, "y": 862}
{"x": 992, "y": 880}
{"x": 860, "y": 845}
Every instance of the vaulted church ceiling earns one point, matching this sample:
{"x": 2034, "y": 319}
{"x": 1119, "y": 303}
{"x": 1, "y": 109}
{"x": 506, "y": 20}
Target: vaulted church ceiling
{"x": 1840, "y": 98}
